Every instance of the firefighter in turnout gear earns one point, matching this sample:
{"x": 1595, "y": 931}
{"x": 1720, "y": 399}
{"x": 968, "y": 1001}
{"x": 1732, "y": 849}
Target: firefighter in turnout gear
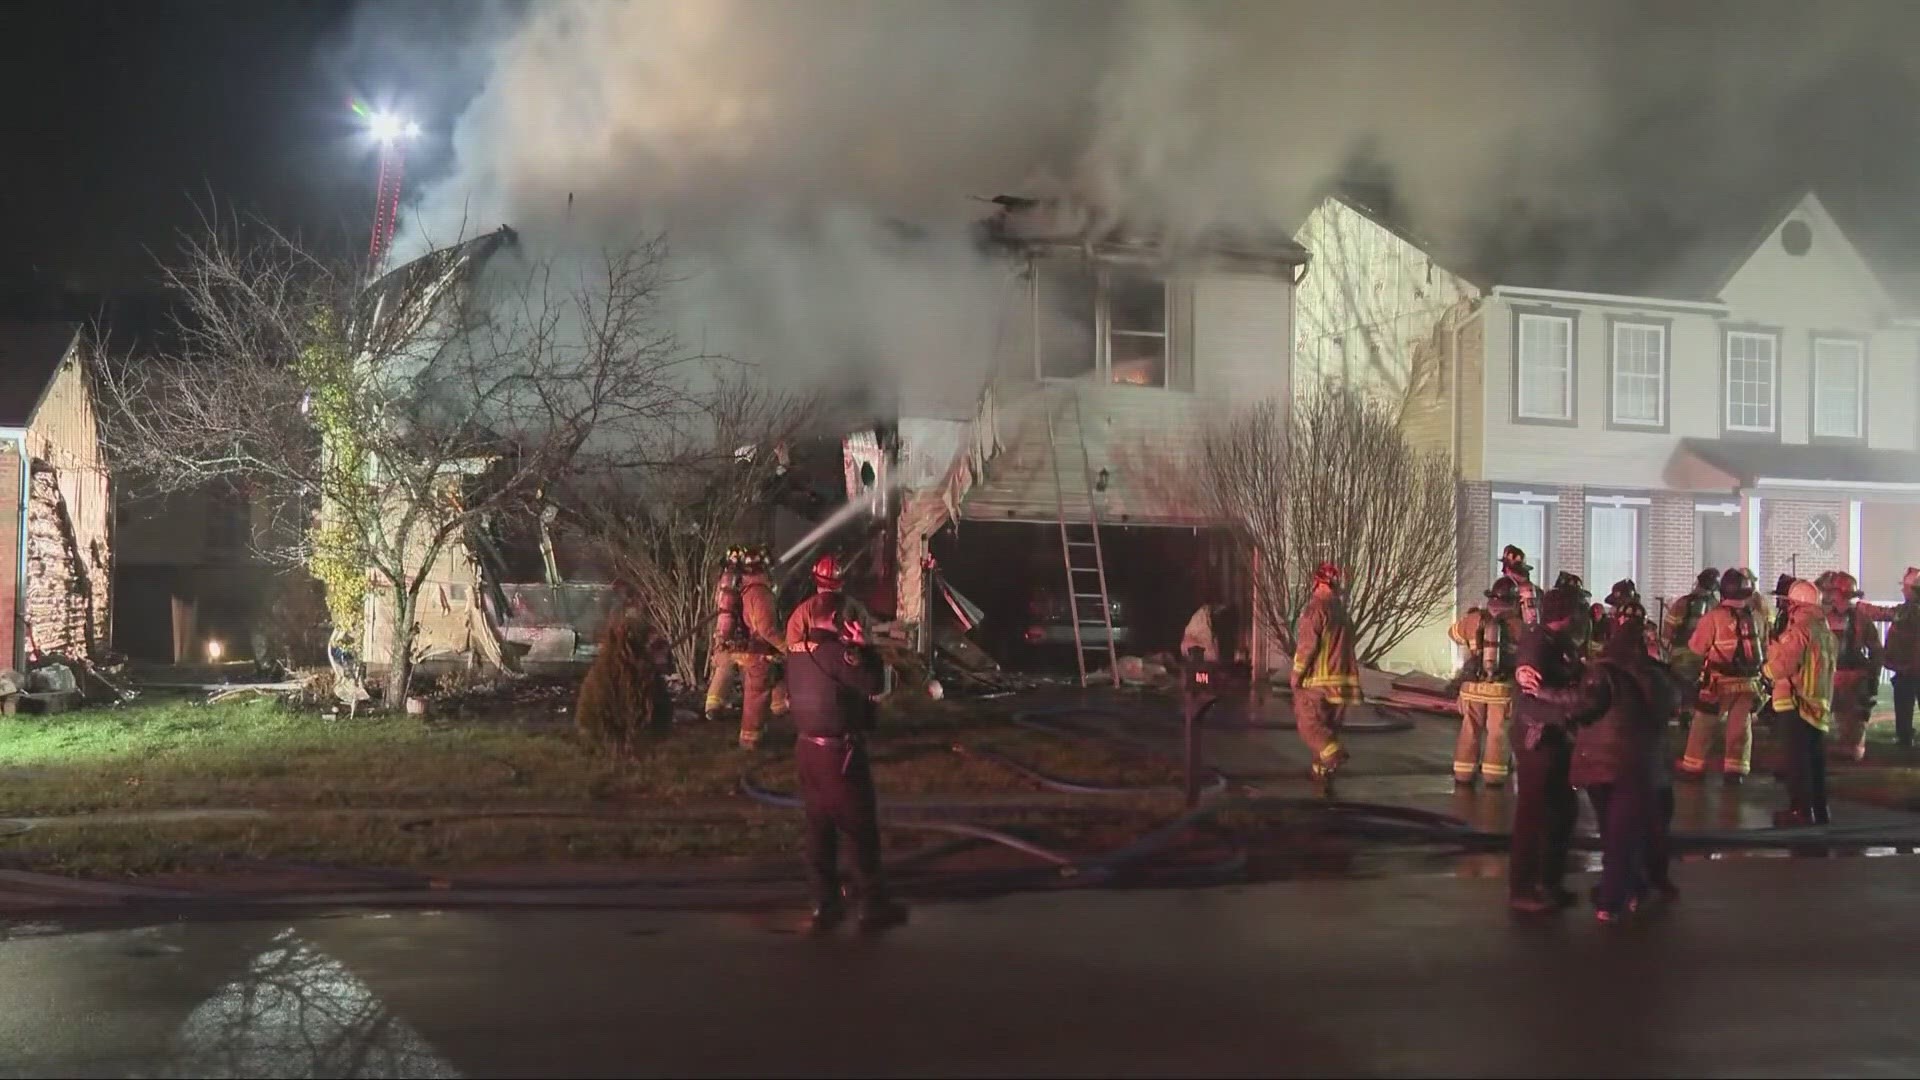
{"x": 1903, "y": 654}
{"x": 1783, "y": 608}
{"x": 1677, "y": 626}
{"x": 1584, "y": 626}
{"x": 1514, "y": 567}
{"x": 1800, "y": 666}
{"x": 1491, "y": 636}
{"x": 1731, "y": 642}
{"x": 1856, "y": 674}
{"x": 1326, "y": 678}
{"x": 1623, "y": 595}
{"x": 746, "y": 638}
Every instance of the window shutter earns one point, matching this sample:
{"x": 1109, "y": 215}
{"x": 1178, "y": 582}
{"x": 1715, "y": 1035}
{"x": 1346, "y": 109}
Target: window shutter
{"x": 1180, "y": 335}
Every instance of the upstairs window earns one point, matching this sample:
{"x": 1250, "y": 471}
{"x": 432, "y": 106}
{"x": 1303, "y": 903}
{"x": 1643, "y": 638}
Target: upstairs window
{"x": 1543, "y": 368}
{"x": 1752, "y": 379}
{"x": 1839, "y": 389}
{"x": 1639, "y": 375}
{"x": 1136, "y": 329}
{"x": 1069, "y": 295}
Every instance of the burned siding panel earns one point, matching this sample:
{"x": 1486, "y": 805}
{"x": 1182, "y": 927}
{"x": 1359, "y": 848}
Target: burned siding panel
{"x": 69, "y": 519}
{"x": 61, "y": 614}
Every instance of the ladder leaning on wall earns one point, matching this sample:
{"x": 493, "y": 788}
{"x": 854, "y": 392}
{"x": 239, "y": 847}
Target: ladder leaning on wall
{"x": 1080, "y": 549}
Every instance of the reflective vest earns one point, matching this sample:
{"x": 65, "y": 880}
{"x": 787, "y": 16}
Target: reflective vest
{"x": 1801, "y": 668}
{"x": 1495, "y": 644}
{"x": 1323, "y": 650}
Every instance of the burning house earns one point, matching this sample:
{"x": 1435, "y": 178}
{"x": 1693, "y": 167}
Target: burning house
{"x": 1054, "y": 495}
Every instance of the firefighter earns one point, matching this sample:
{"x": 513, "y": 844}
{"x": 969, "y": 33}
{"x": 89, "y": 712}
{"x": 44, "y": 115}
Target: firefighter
{"x": 1623, "y": 594}
{"x": 833, "y": 713}
{"x": 1544, "y": 807}
{"x": 1903, "y": 654}
{"x": 1782, "y": 587}
{"x": 1514, "y": 566}
{"x": 1583, "y": 620}
{"x": 1801, "y": 667}
{"x": 1491, "y": 636}
{"x": 1730, "y": 641}
{"x": 746, "y": 637}
{"x": 1856, "y": 675}
{"x": 1326, "y": 679}
{"x": 1677, "y": 626}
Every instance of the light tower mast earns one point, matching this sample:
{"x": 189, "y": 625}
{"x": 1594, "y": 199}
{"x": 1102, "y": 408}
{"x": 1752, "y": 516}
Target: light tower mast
{"x": 391, "y": 133}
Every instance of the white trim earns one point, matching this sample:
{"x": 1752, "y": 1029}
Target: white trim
{"x": 1727, "y": 508}
{"x": 1618, "y": 500}
{"x": 1568, "y": 388}
{"x": 1773, "y": 382}
{"x": 1837, "y": 485}
{"x": 1859, "y": 387}
{"x": 1853, "y": 538}
{"x": 1523, "y": 497}
{"x": 1660, "y": 378}
{"x": 1608, "y": 299}
{"x": 1753, "y": 530}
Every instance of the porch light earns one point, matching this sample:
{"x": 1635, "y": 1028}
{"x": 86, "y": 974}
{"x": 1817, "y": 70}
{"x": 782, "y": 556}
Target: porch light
{"x": 1100, "y": 483}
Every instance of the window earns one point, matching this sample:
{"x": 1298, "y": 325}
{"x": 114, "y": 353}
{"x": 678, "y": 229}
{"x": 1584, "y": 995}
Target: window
{"x": 1839, "y": 389}
{"x": 228, "y": 518}
{"x": 1136, "y": 329}
{"x": 1544, "y": 369}
{"x": 1068, "y": 294}
{"x": 1613, "y": 544}
{"x": 1751, "y": 366}
{"x": 1719, "y": 541}
{"x": 1524, "y": 525}
{"x": 1639, "y": 374}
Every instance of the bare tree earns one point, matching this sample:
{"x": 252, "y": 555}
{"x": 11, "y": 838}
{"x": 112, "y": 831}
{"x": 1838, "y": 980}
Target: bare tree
{"x": 666, "y": 532}
{"x": 384, "y": 421}
{"x": 1334, "y": 478}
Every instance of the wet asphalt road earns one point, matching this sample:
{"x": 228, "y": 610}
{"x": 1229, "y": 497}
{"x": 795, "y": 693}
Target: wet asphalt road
{"x": 1767, "y": 967}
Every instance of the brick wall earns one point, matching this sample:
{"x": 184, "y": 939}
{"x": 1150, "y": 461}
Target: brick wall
{"x": 1784, "y": 546}
{"x": 1672, "y": 548}
{"x": 1568, "y": 536}
{"x": 1475, "y": 542}
{"x": 9, "y": 554}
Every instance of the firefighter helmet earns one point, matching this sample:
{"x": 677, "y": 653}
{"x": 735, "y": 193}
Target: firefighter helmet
{"x": 1624, "y": 591}
{"x": 1911, "y": 579}
{"x": 1803, "y": 592}
{"x": 1512, "y": 558}
{"x": 1735, "y": 585}
{"x": 1784, "y": 584}
{"x": 1327, "y": 573}
{"x": 828, "y": 574}
{"x": 754, "y": 559}
{"x": 1843, "y": 584}
{"x": 1572, "y": 582}
{"x": 1504, "y": 592}
{"x": 1707, "y": 581}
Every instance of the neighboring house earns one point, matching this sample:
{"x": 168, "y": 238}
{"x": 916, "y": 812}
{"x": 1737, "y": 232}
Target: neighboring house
{"x": 54, "y": 540}
{"x": 1110, "y": 340}
{"x": 1752, "y": 399}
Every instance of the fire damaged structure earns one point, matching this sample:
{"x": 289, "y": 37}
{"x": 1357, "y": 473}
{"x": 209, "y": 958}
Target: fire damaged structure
{"x": 54, "y": 539}
{"x": 1057, "y": 499}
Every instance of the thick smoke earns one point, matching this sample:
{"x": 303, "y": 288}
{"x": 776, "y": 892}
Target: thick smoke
{"x": 781, "y": 145}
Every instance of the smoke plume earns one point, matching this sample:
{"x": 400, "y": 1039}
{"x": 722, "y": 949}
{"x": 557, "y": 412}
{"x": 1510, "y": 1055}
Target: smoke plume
{"x": 781, "y": 145}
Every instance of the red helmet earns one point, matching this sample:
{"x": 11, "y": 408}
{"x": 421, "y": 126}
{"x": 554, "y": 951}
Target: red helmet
{"x": 828, "y": 574}
{"x": 1327, "y": 573}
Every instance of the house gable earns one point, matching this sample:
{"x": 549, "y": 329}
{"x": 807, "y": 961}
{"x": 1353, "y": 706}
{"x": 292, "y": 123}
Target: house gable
{"x": 1805, "y": 272}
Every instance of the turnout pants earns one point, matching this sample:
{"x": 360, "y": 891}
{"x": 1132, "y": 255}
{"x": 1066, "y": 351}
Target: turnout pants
{"x": 1853, "y": 693}
{"x": 1483, "y": 739}
{"x": 1734, "y": 706}
{"x": 757, "y": 692}
{"x": 1806, "y": 764}
{"x": 1543, "y": 813}
{"x": 1319, "y": 720}
{"x": 1906, "y": 690}
{"x": 836, "y": 787}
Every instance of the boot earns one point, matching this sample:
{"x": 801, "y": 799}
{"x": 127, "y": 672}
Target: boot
{"x": 1681, "y": 772}
{"x": 1820, "y": 816}
{"x": 1562, "y": 896}
{"x": 880, "y": 913}
{"x": 1733, "y": 779}
{"x": 1531, "y": 902}
{"x": 827, "y": 915}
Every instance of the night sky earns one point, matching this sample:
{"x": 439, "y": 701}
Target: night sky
{"x": 123, "y": 116}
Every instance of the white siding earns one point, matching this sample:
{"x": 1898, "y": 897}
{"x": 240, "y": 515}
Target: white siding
{"x": 1242, "y": 337}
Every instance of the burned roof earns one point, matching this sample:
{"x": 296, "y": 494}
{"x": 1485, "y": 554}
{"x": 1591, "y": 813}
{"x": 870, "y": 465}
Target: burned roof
{"x": 1023, "y": 223}
{"x": 30, "y": 356}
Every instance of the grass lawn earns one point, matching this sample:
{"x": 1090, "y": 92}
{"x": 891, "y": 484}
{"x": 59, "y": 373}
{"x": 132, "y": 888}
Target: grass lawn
{"x": 162, "y": 754}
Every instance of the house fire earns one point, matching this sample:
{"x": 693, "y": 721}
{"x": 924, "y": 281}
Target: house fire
{"x": 1058, "y": 494}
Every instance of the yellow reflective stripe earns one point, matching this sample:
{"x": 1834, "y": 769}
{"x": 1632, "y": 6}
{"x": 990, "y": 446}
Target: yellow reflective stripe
{"x": 1329, "y": 751}
{"x": 1693, "y": 764}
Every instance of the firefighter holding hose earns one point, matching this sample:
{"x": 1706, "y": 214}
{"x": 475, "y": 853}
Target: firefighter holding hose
{"x": 833, "y": 685}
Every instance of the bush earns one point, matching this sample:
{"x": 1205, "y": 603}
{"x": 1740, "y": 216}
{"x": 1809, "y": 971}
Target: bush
{"x": 625, "y": 692}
